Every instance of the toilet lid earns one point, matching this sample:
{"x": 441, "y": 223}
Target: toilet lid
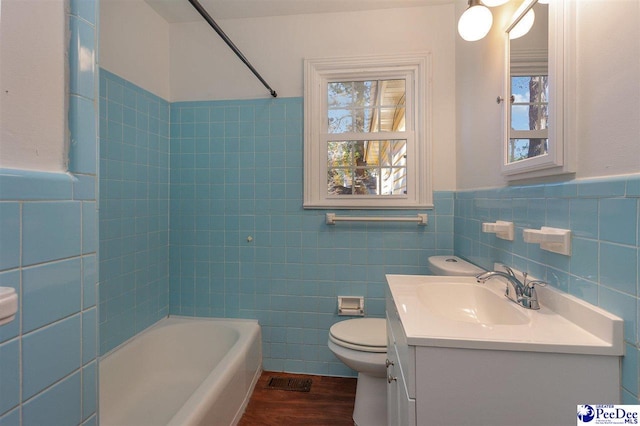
{"x": 366, "y": 332}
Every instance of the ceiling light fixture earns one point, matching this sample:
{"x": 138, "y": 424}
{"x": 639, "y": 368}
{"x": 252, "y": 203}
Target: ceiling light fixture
{"x": 494, "y": 3}
{"x": 475, "y": 22}
{"x": 525, "y": 23}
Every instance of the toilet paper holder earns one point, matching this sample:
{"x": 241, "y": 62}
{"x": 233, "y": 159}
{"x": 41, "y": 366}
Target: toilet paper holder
{"x": 351, "y": 305}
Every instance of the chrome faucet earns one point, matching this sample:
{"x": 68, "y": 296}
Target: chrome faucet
{"x": 524, "y": 293}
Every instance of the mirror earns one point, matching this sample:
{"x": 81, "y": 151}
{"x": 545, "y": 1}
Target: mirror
{"x": 534, "y": 99}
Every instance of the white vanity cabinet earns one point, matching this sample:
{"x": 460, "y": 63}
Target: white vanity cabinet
{"x": 440, "y": 379}
{"x": 401, "y": 404}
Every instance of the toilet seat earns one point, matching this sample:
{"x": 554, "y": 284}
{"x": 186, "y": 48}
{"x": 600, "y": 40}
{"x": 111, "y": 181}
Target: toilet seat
{"x": 361, "y": 334}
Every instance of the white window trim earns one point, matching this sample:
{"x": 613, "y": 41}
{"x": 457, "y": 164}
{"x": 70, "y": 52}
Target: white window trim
{"x": 317, "y": 73}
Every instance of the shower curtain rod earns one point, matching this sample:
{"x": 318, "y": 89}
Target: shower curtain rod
{"x": 233, "y": 47}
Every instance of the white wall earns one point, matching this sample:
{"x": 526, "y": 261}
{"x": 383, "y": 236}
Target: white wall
{"x": 134, "y": 44}
{"x": 608, "y": 87}
{"x": 607, "y": 94}
{"x": 204, "y": 68}
{"x": 478, "y": 117}
{"x": 33, "y": 107}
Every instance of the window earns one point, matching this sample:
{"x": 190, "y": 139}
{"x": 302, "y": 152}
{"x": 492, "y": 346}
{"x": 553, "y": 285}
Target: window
{"x": 528, "y": 136}
{"x": 366, "y": 144}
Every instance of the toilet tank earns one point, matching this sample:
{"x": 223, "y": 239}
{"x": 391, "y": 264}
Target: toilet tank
{"x": 452, "y": 265}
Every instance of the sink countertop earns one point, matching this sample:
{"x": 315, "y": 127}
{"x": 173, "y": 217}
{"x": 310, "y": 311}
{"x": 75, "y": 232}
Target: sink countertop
{"x": 563, "y": 324}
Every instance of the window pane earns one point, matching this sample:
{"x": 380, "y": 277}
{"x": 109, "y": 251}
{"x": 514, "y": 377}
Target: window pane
{"x": 339, "y": 94}
{"x": 346, "y": 153}
{"x": 340, "y": 121}
{"x": 393, "y": 181}
{"x": 351, "y": 93}
{"x": 366, "y": 106}
{"x": 521, "y": 149}
{"x": 364, "y": 93}
{"x": 375, "y": 167}
{"x": 392, "y": 119}
{"x": 340, "y": 154}
{"x": 372, "y": 153}
{"x": 362, "y": 120}
{"x": 367, "y": 153}
{"x": 529, "y": 105}
{"x": 340, "y": 181}
{"x": 519, "y": 117}
{"x": 350, "y": 181}
{"x": 394, "y": 153}
{"x": 529, "y": 117}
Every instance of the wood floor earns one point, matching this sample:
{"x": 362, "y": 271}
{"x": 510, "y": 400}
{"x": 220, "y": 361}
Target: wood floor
{"x": 329, "y": 403}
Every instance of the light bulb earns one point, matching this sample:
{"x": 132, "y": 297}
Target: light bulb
{"x": 494, "y": 3}
{"x": 523, "y": 26}
{"x": 475, "y": 23}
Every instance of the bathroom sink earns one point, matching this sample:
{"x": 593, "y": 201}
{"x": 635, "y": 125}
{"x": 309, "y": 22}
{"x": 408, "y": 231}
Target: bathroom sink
{"x": 459, "y": 312}
{"x": 470, "y": 302}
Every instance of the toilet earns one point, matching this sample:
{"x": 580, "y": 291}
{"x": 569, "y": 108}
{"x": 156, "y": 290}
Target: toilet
{"x": 361, "y": 344}
{"x": 452, "y": 265}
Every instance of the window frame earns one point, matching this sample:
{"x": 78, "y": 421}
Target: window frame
{"x": 319, "y": 72}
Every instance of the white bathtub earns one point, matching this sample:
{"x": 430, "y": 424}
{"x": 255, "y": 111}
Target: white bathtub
{"x": 182, "y": 371}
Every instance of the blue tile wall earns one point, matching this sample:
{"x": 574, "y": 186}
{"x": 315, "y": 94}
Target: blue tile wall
{"x": 60, "y": 405}
{"x": 10, "y": 235}
{"x": 9, "y": 375}
{"x": 50, "y": 354}
{"x": 242, "y": 246}
{"x": 51, "y": 291}
{"x": 50, "y": 231}
{"x": 603, "y": 268}
{"x": 134, "y": 210}
{"x": 48, "y": 254}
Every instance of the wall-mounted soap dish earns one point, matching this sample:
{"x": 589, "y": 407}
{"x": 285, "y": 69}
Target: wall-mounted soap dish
{"x": 551, "y": 239}
{"x": 8, "y": 304}
{"x": 503, "y": 230}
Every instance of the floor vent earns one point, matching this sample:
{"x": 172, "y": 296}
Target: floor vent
{"x": 289, "y": 384}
